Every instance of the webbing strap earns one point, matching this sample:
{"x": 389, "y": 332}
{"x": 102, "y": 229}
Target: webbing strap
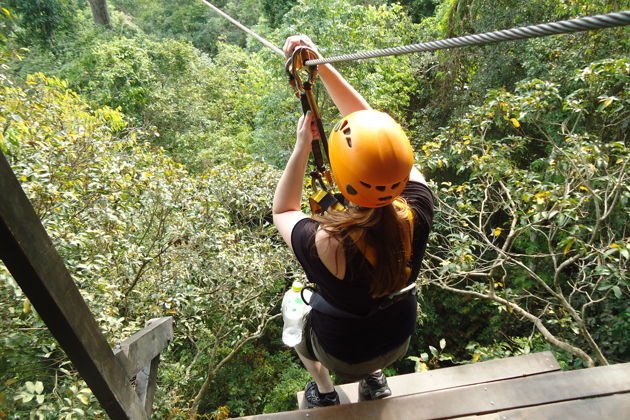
{"x": 318, "y": 303}
{"x": 322, "y": 201}
{"x": 368, "y": 251}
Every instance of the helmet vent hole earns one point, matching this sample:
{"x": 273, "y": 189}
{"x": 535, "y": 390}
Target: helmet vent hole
{"x": 349, "y": 141}
{"x": 347, "y": 131}
{"x": 380, "y": 187}
{"x": 389, "y": 197}
{"x": 341, "y": 125}
{"x": 365, "y": 184}
{"x": 350, "y": 190}
{"x": 395, "y": 185}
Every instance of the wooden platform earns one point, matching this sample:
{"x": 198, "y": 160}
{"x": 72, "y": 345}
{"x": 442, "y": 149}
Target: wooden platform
{"x": 434, "y": 380}
{"x": 525, "y": 387}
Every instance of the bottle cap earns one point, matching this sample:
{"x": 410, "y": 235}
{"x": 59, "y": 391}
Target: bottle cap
{"x": 297, "y": 286}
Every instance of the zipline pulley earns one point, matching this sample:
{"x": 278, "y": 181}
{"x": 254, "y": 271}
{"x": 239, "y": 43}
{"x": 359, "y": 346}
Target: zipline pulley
{"x": 322, "y": 182}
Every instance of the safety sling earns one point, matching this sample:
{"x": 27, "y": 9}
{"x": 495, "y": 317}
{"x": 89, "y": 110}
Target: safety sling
{"x": 322, "y": 199}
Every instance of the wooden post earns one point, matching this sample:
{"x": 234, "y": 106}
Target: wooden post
{"x": 30, "y": 256}
{"x": 140, "y": 357}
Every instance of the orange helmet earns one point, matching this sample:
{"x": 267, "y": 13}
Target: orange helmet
{"x": 370, "y": 157}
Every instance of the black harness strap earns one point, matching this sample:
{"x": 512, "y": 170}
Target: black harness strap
{"x": 320, "y": 304}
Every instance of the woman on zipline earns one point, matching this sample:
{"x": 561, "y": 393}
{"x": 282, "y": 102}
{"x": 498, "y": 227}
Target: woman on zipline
{"x": 361, "y": 257}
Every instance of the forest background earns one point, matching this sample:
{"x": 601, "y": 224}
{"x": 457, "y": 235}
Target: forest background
{"x": 150, "y": 145}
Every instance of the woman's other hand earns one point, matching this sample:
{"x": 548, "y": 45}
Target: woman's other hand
{"x": 306, "y": 131}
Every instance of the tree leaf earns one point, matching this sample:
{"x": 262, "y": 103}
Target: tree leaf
{"x": 568, "y": 246}
{"x": 30, "y": 386}
{"x": 442, "y": 344}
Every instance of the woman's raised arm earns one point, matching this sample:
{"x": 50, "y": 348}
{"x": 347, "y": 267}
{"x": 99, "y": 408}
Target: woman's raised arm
{"x": 345, "y": 97}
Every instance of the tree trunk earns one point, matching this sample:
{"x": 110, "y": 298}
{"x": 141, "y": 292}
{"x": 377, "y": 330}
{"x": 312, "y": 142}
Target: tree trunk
{"x": 100, "y": 12}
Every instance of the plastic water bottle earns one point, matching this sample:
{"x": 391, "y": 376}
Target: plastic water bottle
{"x": 293, "y": 311}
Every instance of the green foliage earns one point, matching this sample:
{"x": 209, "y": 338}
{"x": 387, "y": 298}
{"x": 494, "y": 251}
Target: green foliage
{"x": 42, "y": 20}
{"x": 195, "y": 22}
{"x": 263, "y": 378}
{"x": 8, "y": 49}
{"x": 459, "y": 320}
{"x": 205, "y": 121}
{"x": 435, "y": 360}
{"x": 291, "y": 380}
{"x": 418, "y": 9}
{"x": 141, "y": 237}
{"x": 274, "y": 10}
{"x": 541, "y": 210}
{"x": 513, "y": 346}
{"x": 458, "y": 77}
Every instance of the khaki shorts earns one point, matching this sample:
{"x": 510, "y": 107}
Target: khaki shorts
{"x": 346, "y": 372}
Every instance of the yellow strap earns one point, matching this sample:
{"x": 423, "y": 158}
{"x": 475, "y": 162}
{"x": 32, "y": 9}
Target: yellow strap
{"x": 367, "y": 251}
{"x": 315, "y": 202}
{"x": 370, "y": 254}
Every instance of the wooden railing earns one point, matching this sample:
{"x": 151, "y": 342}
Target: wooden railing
{"x": 32, "y": 260}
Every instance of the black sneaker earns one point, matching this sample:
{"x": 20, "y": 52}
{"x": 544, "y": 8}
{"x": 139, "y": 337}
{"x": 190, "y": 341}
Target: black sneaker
{"x": 374, "y": 387}
{"x": 315, "y": 399}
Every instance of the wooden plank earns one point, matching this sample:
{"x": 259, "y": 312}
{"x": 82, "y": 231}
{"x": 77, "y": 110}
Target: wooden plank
{"x": 451, "y": 377}
{"x": 609, "y": 407}
{"x": 30, "y": 256}
{"x": 140, "y": 349}
{"x": 484, "y": 398}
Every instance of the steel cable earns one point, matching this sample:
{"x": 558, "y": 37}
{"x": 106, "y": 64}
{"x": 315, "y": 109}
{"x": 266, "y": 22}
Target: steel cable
{"x": 244, "y": 28}
{"x": 544, "y": 29}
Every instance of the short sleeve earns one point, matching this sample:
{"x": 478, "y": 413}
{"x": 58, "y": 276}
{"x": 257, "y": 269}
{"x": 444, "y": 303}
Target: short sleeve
{"x": 303, "y": 242}
{"x": 420, "y": 199}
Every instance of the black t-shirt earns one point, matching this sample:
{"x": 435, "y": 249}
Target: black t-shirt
{"x": 359, "y": 340}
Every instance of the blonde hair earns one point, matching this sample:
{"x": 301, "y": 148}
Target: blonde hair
{"x": 385, "y": 230}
